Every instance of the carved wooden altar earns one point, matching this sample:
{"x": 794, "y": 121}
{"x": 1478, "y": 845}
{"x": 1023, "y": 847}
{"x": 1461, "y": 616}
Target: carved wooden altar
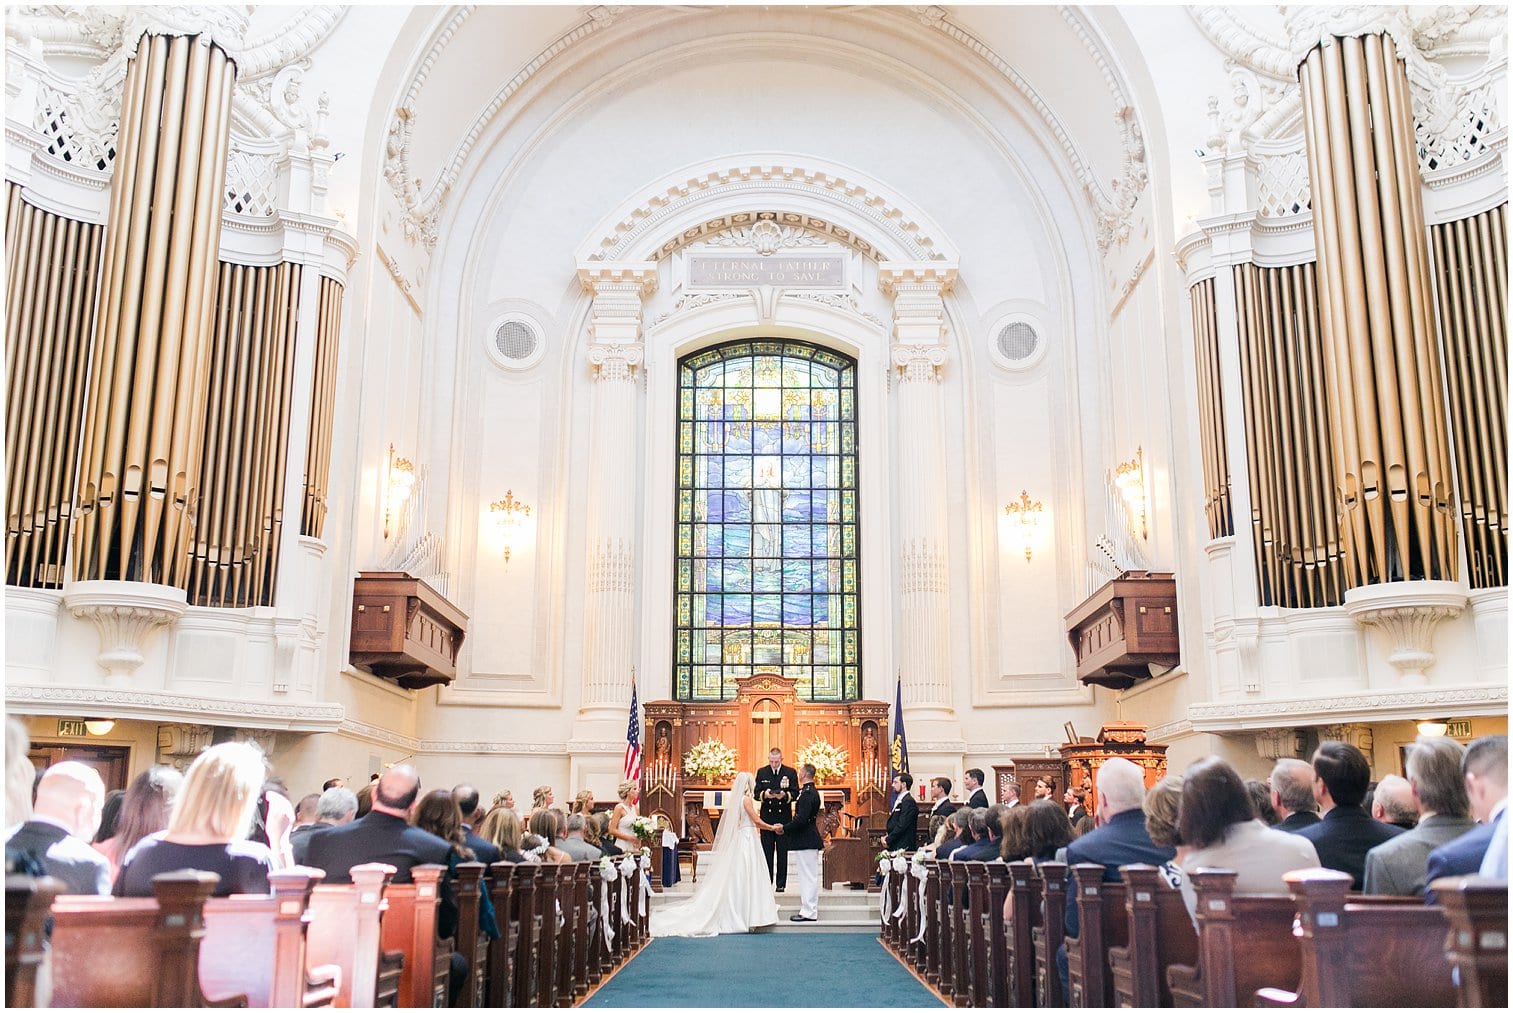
{"x": 766, "y": 713}
{"x": 1117, "y": 738}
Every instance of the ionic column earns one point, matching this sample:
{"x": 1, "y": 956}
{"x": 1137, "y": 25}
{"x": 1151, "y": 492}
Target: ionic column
{"x": 145, "y": 410}
{"x": 615, "y": 355}
{"x": 918, "y": 355}
{"x": 1387, "y": 416}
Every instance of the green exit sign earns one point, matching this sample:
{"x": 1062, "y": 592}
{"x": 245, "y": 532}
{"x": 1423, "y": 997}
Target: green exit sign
{"x": 74, "y": 727}
{"x": 1458, "y": 729}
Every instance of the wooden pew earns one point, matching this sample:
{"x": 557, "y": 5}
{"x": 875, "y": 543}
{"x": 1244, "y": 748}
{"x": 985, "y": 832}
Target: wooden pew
{"x": 27, "y": 902}
{"x": 1103, "y": 920}
{"x": 132, "y": 951}
{"x": 1478, "y": 943}
{"x": 1024, "y": 903}
{"x": 595, "y": 950}
{"x": 1363, "y": 954}
{"x": 588, "y": 911}
{"x": 979, "y": 931}
{"x": 995, "y": 931}
{"x": 1160, "y": 934}
{"x": 499, "y": 983}
{"x": 345, "y": 930}
{"x": 1048, "y": 937}
{"x": 945, "y": 939}
{"x": 1255, "y": 927}
{"x": 961, "y": 943}
{"x": 409, "y": 927}
{"x": 572, "y": 983}
{"x": 254, "y": 946}
{"x": 546, "y": 946}
{"x": 525, "y": 912}
{"x": 470, "y": 940}
{"x": 930, "y": 947}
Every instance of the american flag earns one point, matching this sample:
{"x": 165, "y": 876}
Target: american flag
{"x": 633, "y": 738}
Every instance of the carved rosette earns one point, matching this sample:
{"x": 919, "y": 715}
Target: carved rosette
{"x": 1408, "y": 612}
{"x": 127, "y": 614}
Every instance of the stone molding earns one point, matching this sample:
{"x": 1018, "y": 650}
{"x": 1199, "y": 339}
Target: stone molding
{"x": 162, "y": 705}
{"x": 1408, "y": 612}
{"x": 1251, "y": 715}
{"x": 127, "y": 614}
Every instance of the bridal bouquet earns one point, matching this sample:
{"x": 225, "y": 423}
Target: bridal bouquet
{"x": 643, "y": 827}
{"x": 829, "y": 761}
{"x": 710, "y": 761}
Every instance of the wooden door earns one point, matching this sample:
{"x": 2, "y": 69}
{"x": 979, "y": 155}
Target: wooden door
{"x": 112, "y": 762}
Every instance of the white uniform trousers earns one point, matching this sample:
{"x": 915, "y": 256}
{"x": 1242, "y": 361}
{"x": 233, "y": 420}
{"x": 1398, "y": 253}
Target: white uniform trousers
{"x": 809, "y": 882}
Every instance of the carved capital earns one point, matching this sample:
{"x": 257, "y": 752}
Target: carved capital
{"x": 1359, "y": 736}
{"x": 1277, "y": 743}
{"x": 639, "y": 277}
{"x": 179, "y": 744}
{"x": 1407, "y": 611}
{"x": 927, "y": 277}
{"x": 615, "y": 362}
{"x": 1311, "y": 26}
{"x": 126, "y": 613}
{"x": 918, "y": 289}
{"x": 618, "y": 290}
{"x": 919, "y": 362}
{"x": 223, "y": 26}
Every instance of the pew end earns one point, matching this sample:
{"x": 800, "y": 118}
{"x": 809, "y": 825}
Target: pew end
{"x": 1477, "y": 910}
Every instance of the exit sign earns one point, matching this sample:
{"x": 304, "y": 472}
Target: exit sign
{"x": 70, "y": 726}
{"x": 1458, "y": 729}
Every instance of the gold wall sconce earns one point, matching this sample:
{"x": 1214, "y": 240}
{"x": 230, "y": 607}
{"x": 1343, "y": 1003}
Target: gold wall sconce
{"x": 1433, "y": 727}
{"x": 99, "y": 726}
{"x": 509, "y": 516}
{"x": 1025, "y": 518}
{"x": 399, "y": 482}
{"x": 1129, "y": 479}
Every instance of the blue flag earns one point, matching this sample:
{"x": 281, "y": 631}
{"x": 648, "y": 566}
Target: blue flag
{"x": 898, "y": 745}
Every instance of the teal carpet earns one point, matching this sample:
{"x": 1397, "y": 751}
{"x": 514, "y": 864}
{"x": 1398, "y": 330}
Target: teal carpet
{"x": 829, "y": 970}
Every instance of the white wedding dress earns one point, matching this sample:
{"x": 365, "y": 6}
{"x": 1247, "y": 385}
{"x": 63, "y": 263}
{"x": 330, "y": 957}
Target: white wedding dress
{"x": 736, "y": 895}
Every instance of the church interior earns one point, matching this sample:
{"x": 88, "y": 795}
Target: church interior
{"x": 959, "y": 390}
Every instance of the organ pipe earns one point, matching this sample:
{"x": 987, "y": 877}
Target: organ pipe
{"x": 1386, "y": 414}
{"x": 144, "y": 429}
{"x": 1471, "y": 261}
{"x": 322, "y": 408}
{"x": 1211, "y": 411}
{"x": 53, "y": 269}
{"x": 1294, "y": 522}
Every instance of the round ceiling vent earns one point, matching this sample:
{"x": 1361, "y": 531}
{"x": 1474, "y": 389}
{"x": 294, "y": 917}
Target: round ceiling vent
{"x": 516, "y": 343}
{"x": 1017, "y": 341}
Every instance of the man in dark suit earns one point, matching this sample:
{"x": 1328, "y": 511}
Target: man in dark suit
{"x": 1292, "y": 795}
{"x": 1397, "y": 867}
{"x": 801, "y": 837}
{"x": 903, "y": 821}
{"x": 65, "y": 816}
{"x": 1347, "y": 831}
{"x": 336, "y": 807}
{"x": 384, "y": 835}
{"x": 977, "y": 798}
{"x": 1485, "y": 768}
{"x": 776, "y": 786}
{"x": 940, "y": 795}
{"x": 987, "y": 826}
{"x": 466, "y": 797}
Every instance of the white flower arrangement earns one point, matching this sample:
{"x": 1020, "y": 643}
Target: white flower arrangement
{"x": 710, "y": 760}
{"x": 829, "y": 761}
{"x": 645, "y": 852}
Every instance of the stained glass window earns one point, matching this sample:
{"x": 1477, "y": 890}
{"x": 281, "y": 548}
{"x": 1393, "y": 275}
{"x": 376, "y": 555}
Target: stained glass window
{"x": 767, "y": 575}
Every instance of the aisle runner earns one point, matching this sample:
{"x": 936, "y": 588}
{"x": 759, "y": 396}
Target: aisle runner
{"x": 830, "y": 970}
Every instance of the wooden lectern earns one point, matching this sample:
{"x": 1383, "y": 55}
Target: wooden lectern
{"x": 1117, "y": 738}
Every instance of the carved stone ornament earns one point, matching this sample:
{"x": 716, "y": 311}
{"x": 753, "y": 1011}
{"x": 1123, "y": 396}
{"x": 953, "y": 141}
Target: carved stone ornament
{"x": 1359, "y": 736}
{"x": 1407, "y": 611}
{"x": 1278, "y": 743}
{"x": 919, "y": 363}
{"x": 126, "y": 613}
{"x": 615, "y": 362}
{"x": 1313, "y": 25}
{"x": 224, "y": 26}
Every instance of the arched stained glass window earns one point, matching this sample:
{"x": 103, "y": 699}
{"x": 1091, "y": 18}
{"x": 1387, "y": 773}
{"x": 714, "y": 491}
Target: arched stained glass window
{"x": 767, "y": 577}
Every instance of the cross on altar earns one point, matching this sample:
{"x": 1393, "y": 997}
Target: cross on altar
{"x": 766, "y": 712}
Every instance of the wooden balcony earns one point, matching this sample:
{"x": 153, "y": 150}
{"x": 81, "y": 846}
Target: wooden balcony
{"x": 1125, "y": 628}
{"x": 404, "y": 630}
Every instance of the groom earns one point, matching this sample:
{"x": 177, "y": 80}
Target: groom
{"x": 776, "y": 785}
{"x": 801, "y": 835}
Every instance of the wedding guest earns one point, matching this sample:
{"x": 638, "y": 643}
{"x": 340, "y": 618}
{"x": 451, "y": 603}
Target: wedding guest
{"x": 1292, "y": 794}
{"x": 1046, "y": 830}
{"x": 19, "y": 773}
{"x": 384, "y": 835}
{"x": 1163, "y": 807}
{"x": 607, "y": 842}
{"x": 1398, "y": 867}
{"x": 207, "y": 828}
{"x": 365, "y": 799}
{"x": 64, "y": 817}
{"x": 145, "y": 808}
{"x": 1219, "y": 829}
{"x": 505, "y": 798}
{"x": 1015, "y": 848}
{"x": 501, "y": 828}
{"x": 110, "y": 813}
{"x": 987, "y": 827}
{"x": 542, "y": 798}
{"x": 439, "y": 814}
{"x": 1485, "y": 771}
{"x": 1346, "y": 832}
{"x": 583, "y": 802}
{"x": 304, "y": 812}
{"x": 544, "y": 825}
{"x": 624, "y": 816}
{"x": 1391, "y": 802}
{"x": 335, "y": 807}
{"x": 961, "y": 821}
{"x": 573, "y": 841}
{"x": 1260, "y": 801}
{"x": 467, "y": 798}
{"x": 334, "y": 782}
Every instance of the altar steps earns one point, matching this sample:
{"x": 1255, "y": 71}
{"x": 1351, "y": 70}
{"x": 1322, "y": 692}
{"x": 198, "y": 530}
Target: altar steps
{"x": 841, "y": 909}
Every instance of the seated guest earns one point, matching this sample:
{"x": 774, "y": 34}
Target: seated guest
{"x": 1393, "y": 804}
{"x": 544, "y": 825}
{"x": 1047, "y": 829}
{"x": 1122, "y": 839}
{"x": 1163, "y": 809}
{"x": 1016, "y": 847}
{"x": 501, "y": 828}
{"x": 1485, "y": 770}
{"x": 1397, "y": 868}
{"x": 1292, "y": 795}
{"x": 334, "y": 782}
{"x": 1346, "y": 832}
{"x": 1082, "y": 821}
{"x": 365, "y": 799}
{"x": 607, "y": 842}
{"x": 439, "y": 814}
{"x": 593, "y": 831}
{"x": 335, "y": 807}
{"x": 304, "y": 812}
{"x": 1219, "y": 829}
{"x": 207, "y": 829}
{"x": 578, "y": 849}
{"x": 145, "y": 811}
{"x": 467, "y": 799}
{"x": 987, "y": 827}
{"x": 941, "y": 806}
{"x": 961, "y": 822}
{"x": 64, "y": 817}
{"x": 384, "y": 835}
{"x": 976, "y": 797}
{"x": 903, "y": 821}
{"x": 110, "y": 814}
{"x": 1260, "y": 800}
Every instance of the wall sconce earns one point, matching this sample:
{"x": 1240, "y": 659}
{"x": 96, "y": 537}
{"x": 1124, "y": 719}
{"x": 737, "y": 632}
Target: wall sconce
{"x": 1024, "y": 521}
{"x": 99, "y": 726}
{"x": 509, "y": 514}
{"x": 1129, "y": 479}
{"x": 1433, "y": 728}
{"x": 399, "y": 482}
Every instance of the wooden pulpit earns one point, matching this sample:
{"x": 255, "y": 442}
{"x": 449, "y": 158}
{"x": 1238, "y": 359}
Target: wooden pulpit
{"x": 1083, "y": 759}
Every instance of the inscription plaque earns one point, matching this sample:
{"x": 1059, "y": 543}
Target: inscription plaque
{"x": 723, "y": 270}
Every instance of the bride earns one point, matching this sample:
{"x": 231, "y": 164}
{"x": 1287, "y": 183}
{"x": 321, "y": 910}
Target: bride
{"x": 736, "y": 896}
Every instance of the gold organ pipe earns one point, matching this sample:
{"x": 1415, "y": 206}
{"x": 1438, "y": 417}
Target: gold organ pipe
{"x": 40, "y": 436}
{"x": 1211, "y": 410}
{"x": 322, "y": 405}
{"x": 1456, "y": 300}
